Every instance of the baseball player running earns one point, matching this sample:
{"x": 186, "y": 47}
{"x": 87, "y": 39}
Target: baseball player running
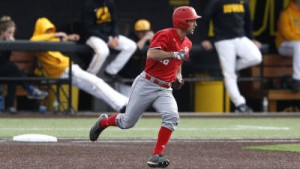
{"x": 168, "y": 48}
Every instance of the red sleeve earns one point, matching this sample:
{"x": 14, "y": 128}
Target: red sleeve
{"x": 159, "y": 40}
{"x": 190, "y": 45}
{"x": 188, "y": 49}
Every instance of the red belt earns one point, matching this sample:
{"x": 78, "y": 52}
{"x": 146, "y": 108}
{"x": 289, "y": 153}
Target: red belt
{"x": 158, "y": 82}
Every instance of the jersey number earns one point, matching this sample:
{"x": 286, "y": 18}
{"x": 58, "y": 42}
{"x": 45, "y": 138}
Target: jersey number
{"x": 165, "y": 62}
{"x": 103, "y": 15}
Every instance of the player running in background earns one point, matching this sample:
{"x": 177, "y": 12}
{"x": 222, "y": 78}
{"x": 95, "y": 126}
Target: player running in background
{"x": 233, "y": 41}
{"x": 168, "y": 48}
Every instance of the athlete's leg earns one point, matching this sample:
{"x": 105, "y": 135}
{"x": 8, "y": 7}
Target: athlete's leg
{"x": 292, "y": 48}
{"x": 248, "y": 53}
{"x": 227, "y": 56}
{"x": 101, "y": 52}
{"x": 166, "y": 105}
{"x": 143, "y": 93}
{"x": 96, "y": 87}
{"x": 126, "y": 47}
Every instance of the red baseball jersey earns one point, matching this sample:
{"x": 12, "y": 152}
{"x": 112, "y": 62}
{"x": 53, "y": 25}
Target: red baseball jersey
{"x": 167, "y": 40}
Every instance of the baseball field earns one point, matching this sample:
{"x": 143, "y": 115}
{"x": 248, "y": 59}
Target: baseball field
{"x": 199, "y": 142}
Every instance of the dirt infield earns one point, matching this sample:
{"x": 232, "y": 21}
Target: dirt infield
{"x": 133, "y": 154}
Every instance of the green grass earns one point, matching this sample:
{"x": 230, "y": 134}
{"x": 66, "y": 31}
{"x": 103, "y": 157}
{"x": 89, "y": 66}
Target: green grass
{"x": 277, "y": 147}
{"x": 147, "y": 128}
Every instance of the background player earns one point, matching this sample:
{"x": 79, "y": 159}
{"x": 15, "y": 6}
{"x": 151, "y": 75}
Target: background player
{"x": 288, "y": 39}
{"x": 153, "y": 86}
{"x": 99, "y": 23}
{"x": 55, "y": 64}
{"x": 142, "y": 35}
{"x": 233, "y": 41}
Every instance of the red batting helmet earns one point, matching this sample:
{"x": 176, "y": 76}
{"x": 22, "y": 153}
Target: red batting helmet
{"x": 182, "y": 14}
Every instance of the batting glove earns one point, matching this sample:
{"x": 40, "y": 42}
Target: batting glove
{"x": 180, "y": 55}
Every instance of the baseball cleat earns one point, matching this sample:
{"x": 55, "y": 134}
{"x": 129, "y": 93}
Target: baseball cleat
{"x": 157, "y": 161}
{"x": 96, "y": 130}
{"x": 243, "y": 108}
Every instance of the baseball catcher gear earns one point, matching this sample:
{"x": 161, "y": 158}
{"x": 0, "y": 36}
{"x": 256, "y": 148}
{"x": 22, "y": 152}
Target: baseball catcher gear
{"x": 180, "y": 55}
{"x": 183, "y": 14}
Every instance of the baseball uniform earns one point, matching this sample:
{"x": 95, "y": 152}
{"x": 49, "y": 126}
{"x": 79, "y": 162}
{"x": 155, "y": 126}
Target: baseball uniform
{"x": 232, "y": 39}
{"x": 99, "y": 23}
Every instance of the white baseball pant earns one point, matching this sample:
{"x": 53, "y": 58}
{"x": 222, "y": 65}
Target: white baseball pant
{"x": 292, "y": 49}
{"x": 144, "y": 94}
{"x": 234, "y": 55}
{"x": 96, "y": 87}
{"x": 126, "y": 47}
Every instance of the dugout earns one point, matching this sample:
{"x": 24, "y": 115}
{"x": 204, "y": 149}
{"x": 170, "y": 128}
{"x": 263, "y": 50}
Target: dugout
{"x": 67, "y": 18}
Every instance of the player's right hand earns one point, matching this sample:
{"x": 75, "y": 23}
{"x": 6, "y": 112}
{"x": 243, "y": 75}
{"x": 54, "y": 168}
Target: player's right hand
{"x": 206, "y": 44}
{"x": 8, "y": 38}
{"x": 180, "y": 55}
{"x": 73, "y": 37}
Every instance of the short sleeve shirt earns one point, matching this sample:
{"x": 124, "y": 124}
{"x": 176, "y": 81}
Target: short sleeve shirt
{"x": 167, "y": 40}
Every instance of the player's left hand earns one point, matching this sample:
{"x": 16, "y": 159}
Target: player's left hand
{"x": 178, "y": 83}
{"x": 113, "y": 42}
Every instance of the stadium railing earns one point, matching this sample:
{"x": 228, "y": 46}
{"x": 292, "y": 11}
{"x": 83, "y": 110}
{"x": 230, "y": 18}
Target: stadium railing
{"x": 29, "y": 46}
{"x": 72, "y": 48}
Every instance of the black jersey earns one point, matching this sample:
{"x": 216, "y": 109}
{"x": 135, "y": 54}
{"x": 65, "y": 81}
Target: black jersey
{"x": 231, "y": 19}
{"x": 98, "y": 19}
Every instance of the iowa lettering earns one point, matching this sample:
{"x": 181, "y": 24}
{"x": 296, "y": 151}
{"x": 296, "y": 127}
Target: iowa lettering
{"x": 233, "y": 8}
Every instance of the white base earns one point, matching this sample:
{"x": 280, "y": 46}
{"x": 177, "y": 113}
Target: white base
{"x": 34, "y": 138}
